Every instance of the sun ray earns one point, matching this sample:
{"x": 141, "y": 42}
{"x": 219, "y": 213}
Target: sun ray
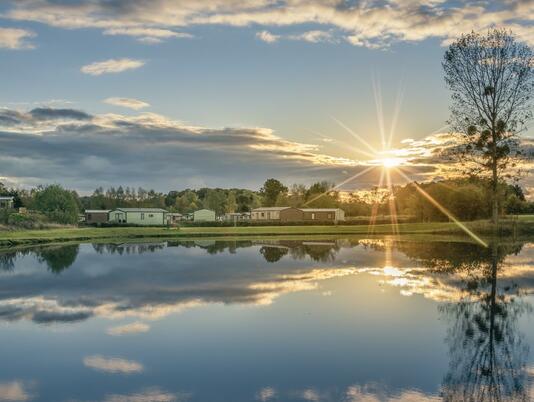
{"x": 445, "y": 211}
{"x": 340, "y": 184}
{"x": 391, "y": 201}
{"x": 377, "y": 91}
{"x": 376, "y": 204}
{"x": 396, "y": 112}
{"x": 342, "y": 144}
{"x": 355, "y": 135}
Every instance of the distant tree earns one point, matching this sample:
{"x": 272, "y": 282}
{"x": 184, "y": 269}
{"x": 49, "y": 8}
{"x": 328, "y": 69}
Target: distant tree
{"x": 57, "y": 203}
{"x": 491, "y": 77}
{"x": 270, "y": 191}
{"x": 215, "y": 200}
{"x": 231, "y": 202}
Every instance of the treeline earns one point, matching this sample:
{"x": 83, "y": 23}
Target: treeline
{"x": 467, "y": 199}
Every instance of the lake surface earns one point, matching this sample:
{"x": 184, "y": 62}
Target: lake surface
{"x": 316, "y": 320}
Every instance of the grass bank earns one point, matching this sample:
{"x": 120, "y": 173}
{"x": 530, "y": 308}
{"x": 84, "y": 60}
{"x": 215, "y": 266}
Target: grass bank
{"x": 26, "y": 237}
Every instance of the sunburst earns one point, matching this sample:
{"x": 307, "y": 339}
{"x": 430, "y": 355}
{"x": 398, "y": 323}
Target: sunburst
{"x": 388, "y": 162}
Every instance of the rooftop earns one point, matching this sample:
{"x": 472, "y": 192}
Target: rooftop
{"x": 97, "y": 211}
{"x": 140, "y": 209}
{"x": 319, "y": 209}
{"x": 270, "y": 209}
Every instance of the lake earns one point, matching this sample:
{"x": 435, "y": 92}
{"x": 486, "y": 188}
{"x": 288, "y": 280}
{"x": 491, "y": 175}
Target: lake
{"x": 376, "y": 319}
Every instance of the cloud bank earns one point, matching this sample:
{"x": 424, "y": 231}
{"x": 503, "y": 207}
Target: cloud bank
{"x": 371, "y": 23}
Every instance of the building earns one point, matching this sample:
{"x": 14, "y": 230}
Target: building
{"x": 174, "y": 217}
{"x": 96, "y": 216}
{"x": 282, "y": 214}
{"x": 204, "y": 215}
{"x": 7, "y": 202}
{"x": 139, "y": 216}
{"x": 290, "y": 214}
{"x": 323, "y": 214}
{"x": 236, "y": 216}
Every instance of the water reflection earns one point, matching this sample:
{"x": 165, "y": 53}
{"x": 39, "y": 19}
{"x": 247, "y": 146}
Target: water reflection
{"x": 482, "y": 294}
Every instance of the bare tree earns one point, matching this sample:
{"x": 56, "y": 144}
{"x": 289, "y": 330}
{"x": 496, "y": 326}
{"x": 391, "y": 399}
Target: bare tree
{"x": 491, "y": 77}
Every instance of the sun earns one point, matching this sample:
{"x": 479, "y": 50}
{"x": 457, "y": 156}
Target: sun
{"x": 391, "y": 162}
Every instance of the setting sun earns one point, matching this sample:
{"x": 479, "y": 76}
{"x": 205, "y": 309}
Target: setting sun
{"x": 391, "y": 162}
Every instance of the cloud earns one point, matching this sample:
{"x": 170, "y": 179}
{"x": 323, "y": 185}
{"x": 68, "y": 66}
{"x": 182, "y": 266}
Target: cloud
{"x": 268, "y": 37}
{"x": 113, "y": 365}
{"x": 127, "y": 102}
{"x": 15, "y": 38}
{"x": 373, "y": 24}
{"x": 14, "y": 391}
{"x": 86, "y": 151}
{"x": 315, "y": 36}
{"x": 133, "y": 328}
{"x": 112, "y": 66}
{"x": 147, "y": 35}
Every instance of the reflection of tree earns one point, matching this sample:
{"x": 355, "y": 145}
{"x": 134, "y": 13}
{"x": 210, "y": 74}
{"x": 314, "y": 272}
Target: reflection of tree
{"x": 273, "y": 254}
{"x": 127, "y": 248}
{"x": 486, "y": 348}
{"x": 58, "y": 258}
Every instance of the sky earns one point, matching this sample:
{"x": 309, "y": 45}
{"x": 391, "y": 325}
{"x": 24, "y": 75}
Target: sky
{"x": 182, "y": 94}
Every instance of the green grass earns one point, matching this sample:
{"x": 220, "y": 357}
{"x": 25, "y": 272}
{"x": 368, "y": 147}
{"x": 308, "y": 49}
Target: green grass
{"x": 18, "y": 237}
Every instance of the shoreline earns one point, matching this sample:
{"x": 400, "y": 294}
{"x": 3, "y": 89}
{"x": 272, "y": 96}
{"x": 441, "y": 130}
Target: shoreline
{"x": 43, "y": 236}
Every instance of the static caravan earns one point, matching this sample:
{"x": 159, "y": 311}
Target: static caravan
{"x": 204, "y": 215}
{"x": 139, "y": 216}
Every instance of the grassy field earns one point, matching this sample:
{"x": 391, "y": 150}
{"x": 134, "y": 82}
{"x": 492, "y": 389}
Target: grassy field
{"x": 525, "y": 225}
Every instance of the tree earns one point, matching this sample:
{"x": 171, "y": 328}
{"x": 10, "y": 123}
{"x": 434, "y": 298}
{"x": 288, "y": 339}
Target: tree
{"x": 270, "y": 191}
{"x": 231, "y": 202}
{"x": 56, "y": 203}
{"x": 491, "y": 78}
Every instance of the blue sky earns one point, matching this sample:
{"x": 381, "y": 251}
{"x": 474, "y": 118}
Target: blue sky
{"x": 290, "y": 67}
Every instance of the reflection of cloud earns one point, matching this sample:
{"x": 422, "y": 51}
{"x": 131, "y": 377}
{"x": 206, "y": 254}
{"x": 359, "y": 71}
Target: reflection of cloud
{"x": 133, "y": 328}
{"x": 14, "y": 391}
{"x": 112, "y": 365}
{"x": 148, "y": 395}
{"x": 266, "y": 394}
{"x": 111, "y": 66}
{"x": 310, "y": 395}
{"x": 376, "y": 393}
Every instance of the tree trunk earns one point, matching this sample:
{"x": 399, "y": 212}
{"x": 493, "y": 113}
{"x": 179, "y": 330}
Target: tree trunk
{"x": 495, "y": 180}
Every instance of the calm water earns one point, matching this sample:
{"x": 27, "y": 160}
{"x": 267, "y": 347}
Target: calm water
{"x": 322, "y": 320}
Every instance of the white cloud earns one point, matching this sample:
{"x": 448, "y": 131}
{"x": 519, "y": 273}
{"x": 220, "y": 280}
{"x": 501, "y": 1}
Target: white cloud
{"x": 14, "y": 391}
{"x": 14, "y": 38}
{"x": 268, "y": 37}
{"x": 365, "y": 23}
{"x": 113, "y": 365}
{"x": 314, "y": 36}
{"x": 147, "y": 35}
{"x": 111, "y": 66}
{"x": 127, "y": 102}
{"x": 133, "y": 328}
